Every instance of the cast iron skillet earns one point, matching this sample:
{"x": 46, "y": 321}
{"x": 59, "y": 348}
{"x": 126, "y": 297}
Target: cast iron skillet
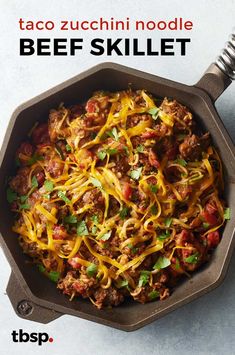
{"x": 35, "y": 297}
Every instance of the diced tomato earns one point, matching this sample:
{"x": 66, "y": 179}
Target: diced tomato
{"x": 213, "y": 239}
{"x": 40, "y": 134}
{"x": 25, "y": 148}
{"x": 182, "y": 237}
{"x": 149, "y": 134}
{"x": 209, "y": 217}
{"x": 74, "y": 263}
{"x": 186, "y": 253}
{"x": 127, "y": 191}
{"x": 153, "y": 159}
{"x": 211, "y": 208}
{"x": 40, "y": 176}
{"x": 59, "y": 232}
{"x": 14, "y": 206}
{"x": 92, "y": 106}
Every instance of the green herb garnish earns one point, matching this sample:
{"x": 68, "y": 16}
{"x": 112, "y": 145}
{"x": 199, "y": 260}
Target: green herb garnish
{"x": 154, "y": 210}
{"x": 96, "y": 182}
{"x": 113, "y": 134}
{"x": 101, "y": 154}
{"x": 91, "y": 270}
{"x": 106, "y": 236}
{"x": 161, "y": 263}
{"x": 154, "y": 111}
{"x": 68, "y": 148}
{"x": 48, "y": 185}
{"x": 227, "y": 213}
{"x": 192, "y": 259}
{"x": 54, "y": 276}
{"x": 34, "y": 159}
{"x": 144, "y": 277}
{"x": 153, "y": 188}
{"x": 135, "y": 174}
{"x": 205, "y": 225}
{"x": 59, "y": 152}
{"x": 11, "y": 195}
{"x": 164, "y": 236}
{"x": 82, "y": 228}
{"x": 111, "y": 151}
{"x": 181, "y": 162}
{"x": 122, "y": 283}
{"x": 153, "y": 295}
{"x": 23, "y": 198}
{"x": 168, "y": 222}
{"x": 70, "y": 219}
{"x": 63, "y": 197}
{"x": 140, "y": 148}
{"x": 41, "y": 268}
{"x": 34, "y": 182}
{"x": 24, "y": 206}
{"x": 124, "y": 212}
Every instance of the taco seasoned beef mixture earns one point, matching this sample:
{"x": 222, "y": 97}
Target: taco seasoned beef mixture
{"x": 118, "y": 197}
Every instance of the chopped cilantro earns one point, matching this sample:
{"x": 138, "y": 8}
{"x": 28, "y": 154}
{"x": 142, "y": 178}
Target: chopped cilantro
{"x": 181, "y": 162}
{"x": 96, "y": 182}
{"x": 48, "y": 185}
{"x": 153, "y": 295}
{"x": 205, "y": 225}
{"x": 123, "y": 283}
{"x": 17, "y": 162}
{"x": 95, "y": 219}
{"x": 227, "y": 213}
{"x": 91, "y": 270}
{"x": 94, "y": 230}
{"x": 34, "y": 159}
{"x": 164, "y": 236}
{"x": 24, "y": 206}
{"x": 59, "y": 152}
{"x": 140, "y": 148}
{"x": 154, "y": 111}
{"x": 82, "y": 228}
{"x": 54, "y": 276}
{"x": 34, "y": 182}
{"x": 41, "y": 268}
{"x": 63, "y": 197}
{"x": 144, "y": 277}
{"x": 106, "y": 236}
{"x": 101, "y": 154}
{"x": 177, "y": 264}
{"x": 153, "y": 188}
{"x": 154, "y": 210}
{"x": 70, "y": 219}
{"x": 47, "y": 196}
{"x": 23, "y": 198}
{"x": 124, "y": 212}
{"x": 135, "y": 174}
{"x": 68, "y": 148}
{"x": 168, "y": 222}
{"x": 11, "y": 195}
{"x": 111, "y": 151}
{"x": 113, "y": 134}
{"x": 192, "y": 259}
{"x": 161, "y": 263}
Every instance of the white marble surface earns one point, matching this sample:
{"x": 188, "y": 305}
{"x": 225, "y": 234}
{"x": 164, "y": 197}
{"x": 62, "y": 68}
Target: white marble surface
{"x": 206, "y": 326}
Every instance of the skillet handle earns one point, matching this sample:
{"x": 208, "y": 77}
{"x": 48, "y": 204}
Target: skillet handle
{"x": 220, "y": 74}
{"x": 24, "y": 307}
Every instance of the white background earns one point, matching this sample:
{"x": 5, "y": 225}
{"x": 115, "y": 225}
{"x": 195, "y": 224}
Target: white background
{"x": 206, "y": 326}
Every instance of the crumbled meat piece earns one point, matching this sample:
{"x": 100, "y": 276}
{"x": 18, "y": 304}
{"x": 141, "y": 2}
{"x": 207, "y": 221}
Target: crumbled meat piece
{"x": 20, "y": 183}
{"x": 108, "y": 297}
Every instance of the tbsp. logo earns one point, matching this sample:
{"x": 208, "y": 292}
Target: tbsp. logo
{"x": 24, "y": 337}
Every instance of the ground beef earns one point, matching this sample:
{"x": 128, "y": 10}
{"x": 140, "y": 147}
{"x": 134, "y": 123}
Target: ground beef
{"x": 108, "y": 297}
